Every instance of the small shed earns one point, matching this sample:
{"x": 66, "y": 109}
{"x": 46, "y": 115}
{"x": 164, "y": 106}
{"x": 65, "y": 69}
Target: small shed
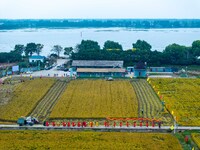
{"x": 36, "y": 58}
{"x": 99, "y": 68}
{"x": 140, "y": 70}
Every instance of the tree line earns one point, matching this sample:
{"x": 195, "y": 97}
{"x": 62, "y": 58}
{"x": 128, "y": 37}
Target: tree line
{"x": 25, "y": 51}
{"x": 99, "y": 23}
{"x": 173, "y": 54}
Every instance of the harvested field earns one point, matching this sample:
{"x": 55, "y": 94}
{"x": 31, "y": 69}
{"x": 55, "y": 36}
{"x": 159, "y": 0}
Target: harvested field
{"x": 149, "y": 103}
{"x": 7, "y": 88}
{"x": 97, "y": 99}
{"x": 25, "y": 97}
{"x": 45, "y": 106}
{"x": 86, "y": 140}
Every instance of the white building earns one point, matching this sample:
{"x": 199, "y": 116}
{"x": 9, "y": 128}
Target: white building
{"x": 36, "y": 58}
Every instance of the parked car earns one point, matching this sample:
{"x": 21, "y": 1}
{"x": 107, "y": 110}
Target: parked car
{"x": 109, "y": 79}
{"x": 65, "y": 69}
{"x": 29, "y": 72}
{"x": 48, "y": 68}
{"x": 58, "y": 67}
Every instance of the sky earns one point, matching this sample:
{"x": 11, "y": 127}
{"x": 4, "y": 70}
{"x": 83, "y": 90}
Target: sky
{"x": 100, "y": 9}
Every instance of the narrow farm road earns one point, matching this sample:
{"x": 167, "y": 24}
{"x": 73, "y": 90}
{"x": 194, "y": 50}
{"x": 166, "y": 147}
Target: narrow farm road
{"x": 100, "y": 127}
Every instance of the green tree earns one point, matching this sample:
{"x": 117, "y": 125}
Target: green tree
{"x": 4, "y": 57}
{"x": 30, "y": 49}
{"x": 39, "y": 48}
{"x": 10, "y": 57}
{"x": 142, "y": 45}
{"x": 175, "y": 54}
{"x": 111, "y": 45}
{"x": 88, "y": 45}
{"x": 142, "y": 51}
{"x": 57, "y": 49}
{"x": 19, "y": 49}
{"x": 87, "y": 50}
{"x": 196, "y": 48}
{"x": 68, "y": 50}
{"x": 155, "y": 58}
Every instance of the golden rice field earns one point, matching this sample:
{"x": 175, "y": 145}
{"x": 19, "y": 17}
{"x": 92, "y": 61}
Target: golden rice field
{"x": 97, "y": 99}
{"x": 196, "y": 138}
{"x": 24, "y": 98}
{"x": 182, "y": 98}
{"x": 86, "y": 140}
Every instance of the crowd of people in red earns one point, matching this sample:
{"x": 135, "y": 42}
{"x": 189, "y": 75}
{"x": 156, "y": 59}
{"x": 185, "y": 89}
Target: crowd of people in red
{"x": 106, "y": 124}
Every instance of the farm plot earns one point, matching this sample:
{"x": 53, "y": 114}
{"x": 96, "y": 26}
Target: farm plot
{"x": 97, "y": 99}
{"x": 86, "y": 140}
{"x": 6, "y": 92}
{"x": 7, "y": 88}
{"x": 45, "y": 106}
{"x": 24, "y": 98}
{"x": 182, "y": 98}
{"x": 149, "y": 104}
{"x": 148, "y": 100}
{"x": 196, "y": 138}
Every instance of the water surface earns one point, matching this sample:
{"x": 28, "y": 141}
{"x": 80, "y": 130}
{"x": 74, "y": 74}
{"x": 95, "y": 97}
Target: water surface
{"x": 158, "y": 38}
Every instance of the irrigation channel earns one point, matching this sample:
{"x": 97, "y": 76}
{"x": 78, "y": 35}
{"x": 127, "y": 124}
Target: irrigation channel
{"x": 45, "y": 106}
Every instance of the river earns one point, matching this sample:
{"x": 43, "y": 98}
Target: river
{"x": 158, "y": 38}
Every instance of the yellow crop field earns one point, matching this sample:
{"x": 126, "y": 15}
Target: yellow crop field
{"x": 196, "y": 138}
{"x": 86, "y": 140}
{"x": 182, "y": 98}
{"x": 97, "y": 99}
{"x": 24, "y": 98}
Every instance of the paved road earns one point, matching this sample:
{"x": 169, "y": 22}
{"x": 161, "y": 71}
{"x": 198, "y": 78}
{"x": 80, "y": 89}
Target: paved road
{"x": 50, "y": 72}
{"x": 101, "y": 128}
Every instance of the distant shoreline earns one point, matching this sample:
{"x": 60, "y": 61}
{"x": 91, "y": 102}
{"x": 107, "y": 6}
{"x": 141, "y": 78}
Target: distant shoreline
{"x": 10, "y": 24}
{"x": 99, "y": 29}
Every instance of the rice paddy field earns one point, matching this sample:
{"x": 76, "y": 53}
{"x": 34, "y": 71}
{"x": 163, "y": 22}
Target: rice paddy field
{"x": 196, "y": 138}
{"x": 87, "y": 140}
{"x": 22, "y": 98}
{"x": 97, "y": 99}
{"x": 181, "y": 97}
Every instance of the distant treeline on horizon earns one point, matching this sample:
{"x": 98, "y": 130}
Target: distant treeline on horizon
{"x": 6, "y": 24}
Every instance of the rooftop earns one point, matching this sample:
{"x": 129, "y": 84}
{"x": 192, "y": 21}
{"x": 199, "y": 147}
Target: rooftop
{"x": 36, "y": 57}
{"x": 94, "y": 70}
{"x": 97, "y": 63}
